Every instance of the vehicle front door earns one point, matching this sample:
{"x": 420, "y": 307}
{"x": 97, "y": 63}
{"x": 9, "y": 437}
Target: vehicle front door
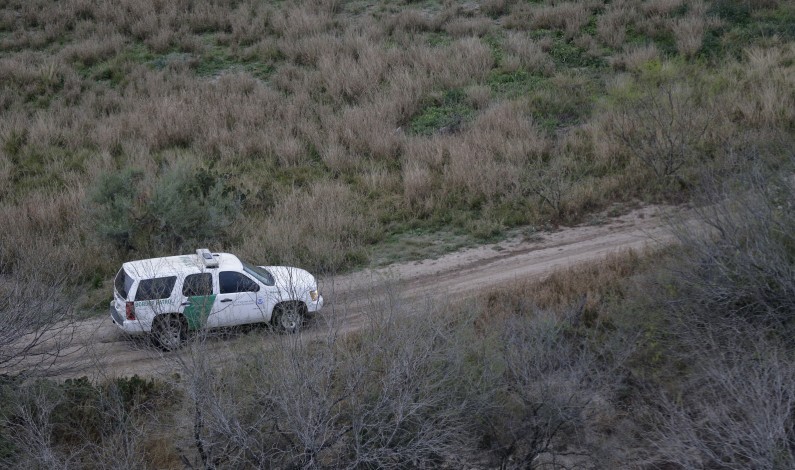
{"x": 239, "y": 300}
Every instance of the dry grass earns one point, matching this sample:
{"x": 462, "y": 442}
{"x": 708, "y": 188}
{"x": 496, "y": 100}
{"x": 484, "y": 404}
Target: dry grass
{"x": 329, "y": 211}
{"x": 689, "y": 34}
{"x": 464, "y": 27}
{"x": 294, "y": 98}
{"x": 529, "y": 54}
{"x": 611, "y": 27}
{"x": 660, "y": 7}
{"x": 568, "y": 16}
{"x": 634, "y": 57}
{"x": 583, "y": 289}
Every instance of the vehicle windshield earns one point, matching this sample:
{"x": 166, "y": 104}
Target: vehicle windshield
{"x": 261, "y": 274}
{"x": 123, "y": 282}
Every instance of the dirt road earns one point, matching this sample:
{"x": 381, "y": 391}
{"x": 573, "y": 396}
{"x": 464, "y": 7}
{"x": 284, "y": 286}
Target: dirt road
{"x": 98, "y": 349}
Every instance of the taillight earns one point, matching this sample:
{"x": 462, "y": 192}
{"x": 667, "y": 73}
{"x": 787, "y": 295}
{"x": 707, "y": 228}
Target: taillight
{"x": 130, "y": 310}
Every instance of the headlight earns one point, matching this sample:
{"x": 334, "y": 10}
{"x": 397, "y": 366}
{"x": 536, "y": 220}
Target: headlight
{"x": 314, "y": 294}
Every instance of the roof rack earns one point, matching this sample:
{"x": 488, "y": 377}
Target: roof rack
{"x": 207, "y": 258}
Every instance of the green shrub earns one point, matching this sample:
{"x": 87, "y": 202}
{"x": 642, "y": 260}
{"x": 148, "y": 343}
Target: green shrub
{"x": 183, "y": 206}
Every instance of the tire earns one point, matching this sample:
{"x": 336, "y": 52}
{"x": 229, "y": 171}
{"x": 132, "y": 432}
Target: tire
{"x": 169, "y": 332}
{"x": 289, "y": 317}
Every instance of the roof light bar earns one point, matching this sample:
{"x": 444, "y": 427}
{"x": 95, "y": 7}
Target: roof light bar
{"x": 207, "y": 258}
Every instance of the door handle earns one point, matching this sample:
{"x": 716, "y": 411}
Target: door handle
{"x": 226, "y": 300}
{"x": 186, "y": 304}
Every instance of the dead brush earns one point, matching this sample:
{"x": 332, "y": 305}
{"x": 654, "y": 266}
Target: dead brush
{"x": 417, "y": 183}
{"x": 689, "y": 33}
{"x": 611, "y": 27}
{"x": 530, "y": 53}
{"x": 660, "y": 7}
{"x": 321, "y": 227}
{"x": 567, "y": 16}
{"x": 463, "y": 27}
{"x": 761, "y": 96}
{"x": 349, "y": 76}
{"x": 634, "y": 57}
{"x": 583, "y": 288}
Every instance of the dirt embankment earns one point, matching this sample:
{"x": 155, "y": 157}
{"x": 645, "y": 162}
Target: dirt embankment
{"x": 98, "y": 349}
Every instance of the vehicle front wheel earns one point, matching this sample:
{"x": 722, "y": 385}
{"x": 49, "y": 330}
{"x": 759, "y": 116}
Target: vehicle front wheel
{"x": 289, "y": 318}
{"x": 169, "y": 331}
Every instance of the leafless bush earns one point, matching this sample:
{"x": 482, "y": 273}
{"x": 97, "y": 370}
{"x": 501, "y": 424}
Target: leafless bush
{"x": 409, "y": 21}
{"x": 297, "y": 22}
{"x": 665, "y": 127}
{"x": 542, "y": 402}
{"x": 553, "y": 182}
{"x": 741, "y": 269}
{"x": 369, "y": 130}
{"x": 33, "y": 434}
{"x": 349, "y": 76}
{"x": 735, "y": 412}
{"x": 730, "y": 299}
{"x": 381, "y": 398}
{"x": 37, "y": 316}
{"x": 46, "y": 424}
{"x": 489, "y": 156}
{"x": 93, "y": 50}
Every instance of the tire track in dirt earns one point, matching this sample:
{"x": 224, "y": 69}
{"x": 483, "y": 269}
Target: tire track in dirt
{"x": 98, "y": 349}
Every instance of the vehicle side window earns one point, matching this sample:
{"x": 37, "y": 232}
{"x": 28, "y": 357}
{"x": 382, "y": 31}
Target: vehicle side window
{"x": 198, "y": 284}
{"x": 230, "y": 282}
{"x": 123, "y": 282}
{"x": 260, "y": 273}
{"x": 155, "y": 288}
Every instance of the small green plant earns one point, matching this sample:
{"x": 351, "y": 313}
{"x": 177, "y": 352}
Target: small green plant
{"x": 443, "y": 114}
{"x": 15, "y": 141}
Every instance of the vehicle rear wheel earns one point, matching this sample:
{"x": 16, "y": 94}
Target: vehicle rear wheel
{"x": 289, "y": 318}
{"x": 169, "y": 331}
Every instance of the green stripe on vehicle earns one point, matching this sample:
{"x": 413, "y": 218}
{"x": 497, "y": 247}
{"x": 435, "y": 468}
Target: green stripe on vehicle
{"x": 199, "y": 309}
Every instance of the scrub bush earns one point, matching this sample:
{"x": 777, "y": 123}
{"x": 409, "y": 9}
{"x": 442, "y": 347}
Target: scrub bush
{"x": 182, "y": 207}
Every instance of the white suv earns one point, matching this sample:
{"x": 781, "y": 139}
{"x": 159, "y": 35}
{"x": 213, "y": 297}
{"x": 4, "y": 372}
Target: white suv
{"x": 169, "y": 296}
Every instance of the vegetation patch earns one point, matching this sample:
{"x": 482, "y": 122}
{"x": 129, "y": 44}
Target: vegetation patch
{"x": 515, "y": 84}
{"x": 439, "y": 116}
{"x": 443, "y": 113}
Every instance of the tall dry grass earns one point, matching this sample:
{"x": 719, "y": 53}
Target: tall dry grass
{"x": 281, "y": 98}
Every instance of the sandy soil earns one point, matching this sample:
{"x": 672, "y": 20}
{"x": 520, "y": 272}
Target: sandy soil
{"x": 97, "y": 349}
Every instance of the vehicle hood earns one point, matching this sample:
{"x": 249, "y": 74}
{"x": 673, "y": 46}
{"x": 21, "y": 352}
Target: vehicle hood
{"x": 294, "y": 281}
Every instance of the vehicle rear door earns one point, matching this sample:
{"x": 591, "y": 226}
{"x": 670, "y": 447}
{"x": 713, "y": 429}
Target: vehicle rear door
{"x": 198, "y": 299}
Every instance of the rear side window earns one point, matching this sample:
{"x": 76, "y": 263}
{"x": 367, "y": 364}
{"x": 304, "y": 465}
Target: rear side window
{"x": 123, "y": 282}
{"x": 230, "y": 282}
{"x": 156, "y": 288}
{"x": 198, "y": 284}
